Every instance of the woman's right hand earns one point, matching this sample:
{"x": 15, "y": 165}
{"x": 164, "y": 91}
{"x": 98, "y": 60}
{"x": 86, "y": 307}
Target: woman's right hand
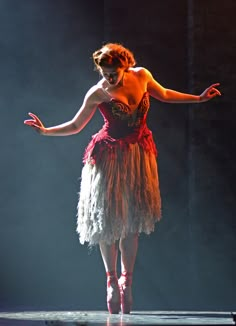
{"x": 36, "y": 123}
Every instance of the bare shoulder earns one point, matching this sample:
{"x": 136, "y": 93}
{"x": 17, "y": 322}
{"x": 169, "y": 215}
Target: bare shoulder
{"x": 95, "y": 94}
{"x": 142, "y": 72}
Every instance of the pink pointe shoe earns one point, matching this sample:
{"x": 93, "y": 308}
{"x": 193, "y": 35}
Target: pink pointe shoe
{"x": 125, "y": 283}
{"x": 113, "y": 293}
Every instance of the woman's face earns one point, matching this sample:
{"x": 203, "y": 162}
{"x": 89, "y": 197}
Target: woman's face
{"x": 112, "y": 75}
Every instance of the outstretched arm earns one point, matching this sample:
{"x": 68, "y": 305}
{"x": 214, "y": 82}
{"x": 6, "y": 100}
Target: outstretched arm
{"x": 171, "y": 96}
{"x": 73, "y": 126}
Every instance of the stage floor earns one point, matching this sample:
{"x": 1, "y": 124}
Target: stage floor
{"x": 79, "y": 318}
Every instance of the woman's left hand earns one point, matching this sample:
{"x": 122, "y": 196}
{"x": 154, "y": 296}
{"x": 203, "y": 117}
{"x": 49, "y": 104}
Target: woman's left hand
{"x": 210, "y": 92}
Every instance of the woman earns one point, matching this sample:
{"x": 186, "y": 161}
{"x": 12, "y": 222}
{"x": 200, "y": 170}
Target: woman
{"x": 119, "y": 192}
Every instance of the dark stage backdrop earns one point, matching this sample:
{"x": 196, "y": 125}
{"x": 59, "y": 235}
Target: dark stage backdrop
{"x": 46, "y": 68}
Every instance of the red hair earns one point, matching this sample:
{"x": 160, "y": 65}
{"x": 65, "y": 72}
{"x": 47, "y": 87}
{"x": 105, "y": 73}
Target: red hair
{"x": 113, "y": 55}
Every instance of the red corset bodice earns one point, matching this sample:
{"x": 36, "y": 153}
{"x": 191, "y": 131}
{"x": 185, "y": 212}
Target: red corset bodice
{"x": 122, "y": 126}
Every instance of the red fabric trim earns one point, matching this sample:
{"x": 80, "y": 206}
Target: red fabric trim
{"x": 122, "y": 126}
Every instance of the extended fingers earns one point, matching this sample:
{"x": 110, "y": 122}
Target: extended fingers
{"x": 215, "y": 85}
{"x": 215, "y": 91}
{"x": 32, "y": 116}
{"x": 218, "y": 92}
{"x": 29, "y": 122}
{"x": 36, "y": 127}
{"x": 35, "y": 118}
{"x": 32, "y": 123}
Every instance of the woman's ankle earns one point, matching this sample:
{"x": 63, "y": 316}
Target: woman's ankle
{"x": 126, "y": 278}
{"x": 111, "y": 274}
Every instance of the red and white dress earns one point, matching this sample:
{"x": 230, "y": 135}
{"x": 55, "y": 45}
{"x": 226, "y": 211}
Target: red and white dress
{"x": 119, "y": 190}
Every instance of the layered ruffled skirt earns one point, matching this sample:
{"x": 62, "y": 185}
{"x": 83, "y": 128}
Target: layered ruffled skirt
{"x": 119, "y": 194}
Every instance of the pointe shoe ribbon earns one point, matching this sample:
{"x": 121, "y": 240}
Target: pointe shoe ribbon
{"x": 113, "y": 293}
{"x": 125, "y": 283}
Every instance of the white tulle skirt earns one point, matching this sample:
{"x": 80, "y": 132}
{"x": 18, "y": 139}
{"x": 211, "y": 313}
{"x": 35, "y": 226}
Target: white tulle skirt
{"x": 119, "y": 194}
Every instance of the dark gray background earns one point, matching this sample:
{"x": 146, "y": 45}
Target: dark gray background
{"x": 46, "y": 68}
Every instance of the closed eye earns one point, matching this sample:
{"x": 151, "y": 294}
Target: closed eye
{"x": 110, "y": 75}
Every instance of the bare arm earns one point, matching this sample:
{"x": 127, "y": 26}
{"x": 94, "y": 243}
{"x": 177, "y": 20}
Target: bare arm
{"x": 171, "y": 96}
{"x": 73, "y": 126}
